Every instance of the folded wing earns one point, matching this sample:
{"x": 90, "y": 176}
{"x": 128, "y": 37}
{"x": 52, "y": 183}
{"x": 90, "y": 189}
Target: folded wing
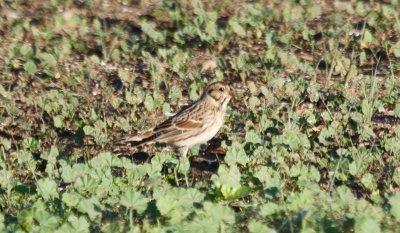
{"x": 183, "y": 125}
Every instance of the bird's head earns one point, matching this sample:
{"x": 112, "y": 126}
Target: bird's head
{"x": 219, "y": 92}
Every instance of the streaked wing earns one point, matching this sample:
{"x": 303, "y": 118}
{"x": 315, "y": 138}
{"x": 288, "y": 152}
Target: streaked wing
{"x": 180, "y": 116}
{"x": 187, "y": 123}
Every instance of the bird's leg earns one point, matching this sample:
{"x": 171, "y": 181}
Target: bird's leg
{"x": 216, "y": 156}
{"x": 178, "y": 152}
{"x": 183, "y": 152}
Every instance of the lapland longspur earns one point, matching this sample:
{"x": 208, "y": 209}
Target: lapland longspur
{"x": 194, "y": 124}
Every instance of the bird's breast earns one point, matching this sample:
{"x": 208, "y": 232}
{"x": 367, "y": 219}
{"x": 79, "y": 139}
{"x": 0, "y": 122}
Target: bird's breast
{"x": 209, "y": 130}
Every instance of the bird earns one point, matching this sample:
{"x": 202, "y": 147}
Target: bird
{"x": 194, "y": 124}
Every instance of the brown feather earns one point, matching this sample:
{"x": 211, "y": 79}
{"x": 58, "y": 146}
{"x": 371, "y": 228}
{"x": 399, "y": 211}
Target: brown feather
{"x": 193, "y": 124}
{"x": 188, "y": 124}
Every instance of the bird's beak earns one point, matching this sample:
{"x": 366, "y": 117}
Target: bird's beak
{"x": 231, "y": 92}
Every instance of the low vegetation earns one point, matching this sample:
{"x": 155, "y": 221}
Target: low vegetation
{"x": 311, "y": 141}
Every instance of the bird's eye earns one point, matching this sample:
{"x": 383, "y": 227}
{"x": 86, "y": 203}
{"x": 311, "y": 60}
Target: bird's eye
{"x": 221, "y": 89}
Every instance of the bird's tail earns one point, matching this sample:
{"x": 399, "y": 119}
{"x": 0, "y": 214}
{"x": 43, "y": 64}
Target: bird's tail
{"x": 143, "y": 138}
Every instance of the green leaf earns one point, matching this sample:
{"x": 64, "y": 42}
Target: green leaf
{"x": 89, "y": 130}
{"x": 344, "y": 196}
{"x": 219, "y": 213}
{"x": 257, "y": 227}
{"x": 203, "y": 225}
{"x": 83, "y": 205}
{"x": 326, "y": 136}
{"x": 48, "y": 222}
{"x": 254, "y": 102}
{"x": 93, "y": 115}
{"x": 4, "y": 93}
{"x": 26, "y": 219}
{"x": 236, "y": 154}
{"x": 105, "y": 160}
{"x": 296, "y": 170}
{"x": 396, "y": 175}
{"x": 7, "y": 181}
{"x": 71, "y": 199}
{"x": 87, "y": 183}
{"x": 253, "y": 137}
{"x": 152, "y": 33}
{"x": 396, "y": 49}
{"x": 71, "y": 174}
{"x": 313, "y": 92}
{"x": 47, "y": 188}
{"x": 236, "y": 27}
{"x": 193, "y": 95}
{"x": 342, "y": 65}
{"x": 166, "y": 107}
{"x": 89, "y": 206}
{"x": 313, "y": 174}
{"x": 31, "y": 143}
{"x": 294, "y": 138}
{"x": 357, "y": 117}
{"x": 367, "y": 224}
{"x": 48, "y": 60}
{"x": 394, "y": 202}
{"x": 2, "y": 222}
{"x": 391, "y": 144}
{"x": 268, "y": 178}
{"x": 269, "y": 209}
{"x": 314, "y": 11}
{"x": 124, "y": 124}
{"x": 368, "y": 181}
{"x": 367, "y": 133}
{"x": 125, "y": 76}
{"x": 252, "y": 88}
{"x": 175, "y": 93}
{"x": 115, "y": 226}
{"x": 75, "y": 225}
{"x": 134, "y": 200}
{"x": 270, "y": 38}
{"x": 368, "y": 37}
{"x": 177, "y": 203}
{"x": 367, "y": 108}
{"x": 149, "y": 102}
{"x": 228, "y": 184}
{"x": 227, "y": 176}
{"x": 397, "y": 110}
{"x": 58, "y": 121}
{"x": 355, "y": 167}
{"x": 184, "y": 164}
{"x": 167, "y": 204}
{"x": 30, "y": 68}
{"x": 25, "y": 156}
{"x": 51, "y": 158}
{"x": 26, "y": 51}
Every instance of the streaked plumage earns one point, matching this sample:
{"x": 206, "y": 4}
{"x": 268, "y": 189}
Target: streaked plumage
{"x": 197, "y": 123}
